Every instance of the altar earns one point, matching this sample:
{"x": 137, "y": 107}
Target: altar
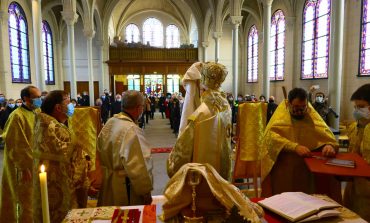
{"x": 151, "y": 214}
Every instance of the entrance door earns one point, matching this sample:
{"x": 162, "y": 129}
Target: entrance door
{"x": 153, "y": 83}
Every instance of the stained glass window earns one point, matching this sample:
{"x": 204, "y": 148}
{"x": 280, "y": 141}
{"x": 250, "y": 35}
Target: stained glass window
{"x": 132, "y": 33}
{"x": 18, "y": 42}
{"x": 172, "y": 37}
{"x": 47, "y": 44}
{"x": 133, "y": 82}
{"x": 315, "y": 39}
{"x": 252, "y": 54}
{"x": 365, "y": 40}
{"x": 153, "y": 32}
{"x": 277, "y": 47}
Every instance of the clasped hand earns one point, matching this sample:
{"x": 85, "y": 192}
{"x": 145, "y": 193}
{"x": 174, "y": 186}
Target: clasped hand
{"x": 327, "y": 151}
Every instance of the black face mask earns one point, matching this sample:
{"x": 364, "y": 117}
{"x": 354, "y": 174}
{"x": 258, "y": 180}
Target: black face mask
{"x": 271, "y": 101}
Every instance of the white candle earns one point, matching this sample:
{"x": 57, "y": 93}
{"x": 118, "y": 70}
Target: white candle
{"x": 44, "y": 195}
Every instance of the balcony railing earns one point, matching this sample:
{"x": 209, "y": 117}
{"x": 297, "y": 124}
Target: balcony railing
{"x": 152, "y": 54}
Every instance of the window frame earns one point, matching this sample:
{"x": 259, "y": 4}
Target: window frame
{"x": 51, "y": 72}
{"x": 275, "y": 50}
{"x": 363, "y": 40}
{"x": 152, "y": 38}
{"x": 315, "y": 40}
{"x": 139, "y": 39}
{"x": 178, "y": 40}
{"x": 253, "y": 56}
{"x": 20, "y": 16}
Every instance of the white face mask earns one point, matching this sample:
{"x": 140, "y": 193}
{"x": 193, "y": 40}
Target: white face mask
{"x": 360, "y": 113}
{"x": 319, "y": 99}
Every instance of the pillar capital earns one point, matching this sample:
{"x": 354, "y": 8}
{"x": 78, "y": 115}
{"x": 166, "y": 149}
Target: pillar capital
{"x": 70, "y": 17}
{"x": 217, "y": 35}
{"x": 205, "y": 44}
{"x": 89, "y": 33}
{"x": 236, "y": 20}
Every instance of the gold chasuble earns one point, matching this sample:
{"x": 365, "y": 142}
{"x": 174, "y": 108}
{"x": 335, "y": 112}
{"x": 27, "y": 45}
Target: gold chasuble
{"x": 16, "y": 185}
{"x": 286, "y": 169}
{"x": 206, "y": 138}
{"x": 357, "y": 193}
{"x": 213, "y": 193}
{"x": 53, "y": 148}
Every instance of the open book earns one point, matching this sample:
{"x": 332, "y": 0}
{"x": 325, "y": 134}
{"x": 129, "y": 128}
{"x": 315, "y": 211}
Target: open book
{"x": 298, "y": 206}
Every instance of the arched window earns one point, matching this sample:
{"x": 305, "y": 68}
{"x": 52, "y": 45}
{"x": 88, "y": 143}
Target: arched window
{"x": 132, "y": 33}
{"x": 277, "y": 48}
{"x": 252, "y": 54}
{"x": 315, "y": 39}
{"x": 365, "y": 40}
{"x": 172, "y": 37}
{"x": 47, "y": 43}
{"x": 18, "y": 41}
{"x": 153, "y": 32}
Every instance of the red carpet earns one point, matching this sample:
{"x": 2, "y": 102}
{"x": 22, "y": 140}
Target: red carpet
{"x": 161, "y": 150}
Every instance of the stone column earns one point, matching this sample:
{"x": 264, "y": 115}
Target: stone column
{"x": 90, "y": 33}
{"x": 70, "y": 17}
{"x": 217, "y": 36}
{"x": 102, "y": 84}
{"x": 236, "y": 20}
{"x": 204, "y": 47}
{"x": 336, "y": 59}
{"x": 60, "y": 63}
{"x": 37, "y": 42}
{"x": 266, "y": 47}
{"x": 3, "y": 54}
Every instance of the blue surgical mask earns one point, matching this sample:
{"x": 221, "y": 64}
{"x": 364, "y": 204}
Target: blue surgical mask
{"x": 103, "y": 96}
{"x": 360, "y": 113}
{"x": 19, "y": 104}
{"x": 11, "y": 105}
{"x": 70, "y": 110}
{"x": 37, "y": 102}
{"x": 2, "y": 99}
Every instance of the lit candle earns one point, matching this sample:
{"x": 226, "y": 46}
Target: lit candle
{"x": 44, "y": 195}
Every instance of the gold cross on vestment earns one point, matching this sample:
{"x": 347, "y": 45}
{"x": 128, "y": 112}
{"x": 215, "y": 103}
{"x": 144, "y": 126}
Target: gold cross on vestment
{"x": 125, "y": 216}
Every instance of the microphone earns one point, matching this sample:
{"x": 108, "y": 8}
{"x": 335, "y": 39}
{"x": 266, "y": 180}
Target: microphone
{"x": 334, "y": 113}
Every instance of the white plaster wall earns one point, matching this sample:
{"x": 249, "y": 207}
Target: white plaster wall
{"x": 81, "y": 55}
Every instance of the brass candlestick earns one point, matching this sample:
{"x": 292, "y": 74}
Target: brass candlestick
{"x": 193, "y": 180}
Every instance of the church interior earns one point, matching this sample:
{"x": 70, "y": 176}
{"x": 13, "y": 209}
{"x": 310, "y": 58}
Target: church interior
{"x": 268, "y": 47}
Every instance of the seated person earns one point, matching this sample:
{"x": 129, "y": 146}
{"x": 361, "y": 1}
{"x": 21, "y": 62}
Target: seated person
{"x": 206, "y": 138}
{"x": 357, "y": 193}
{"x": 293, "y": 132}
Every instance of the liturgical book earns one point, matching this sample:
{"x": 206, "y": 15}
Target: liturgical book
{"x": 299, "y": 207}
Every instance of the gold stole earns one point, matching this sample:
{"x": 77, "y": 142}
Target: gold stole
{"x": 207, "y": 142}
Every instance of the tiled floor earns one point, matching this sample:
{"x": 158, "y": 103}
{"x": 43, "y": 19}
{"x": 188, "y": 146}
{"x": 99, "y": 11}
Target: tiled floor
{"x": 159, "y": 134}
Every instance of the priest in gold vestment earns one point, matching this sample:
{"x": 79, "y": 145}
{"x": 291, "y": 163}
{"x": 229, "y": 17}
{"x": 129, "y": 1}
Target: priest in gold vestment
{"x": 125, "y": 157}
{"x": 16, "y": 185}
{"x": 293, "y": 132}
{"x": 206, "y": 138}
{"x": 357, "y": 193}
{"x": 53, "y": 149}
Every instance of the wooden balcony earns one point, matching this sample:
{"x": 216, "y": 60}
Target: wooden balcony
{"x": 128, "y": 54}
